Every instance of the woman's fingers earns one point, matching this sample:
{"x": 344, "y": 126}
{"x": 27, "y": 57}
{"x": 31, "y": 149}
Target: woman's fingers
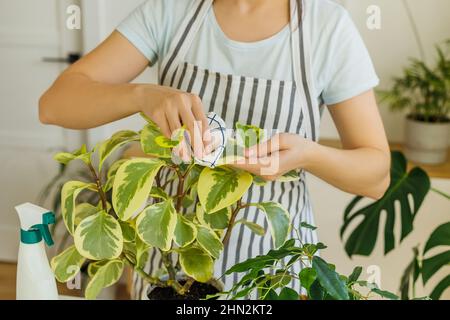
{"x": 195, "y": 135}
{"x": 173, "y": 120}
{"x": 163, "y": 124}
{"x": 265, "y": 148}
{"x": 197, "y": 110}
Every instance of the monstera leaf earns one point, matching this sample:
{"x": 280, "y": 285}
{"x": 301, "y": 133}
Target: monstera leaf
{"x": 414, "y": 183}
{"x": 430, "y": 266}
{"x": 221, "y": 187}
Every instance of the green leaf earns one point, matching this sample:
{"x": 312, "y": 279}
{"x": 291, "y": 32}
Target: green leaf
{"x": 440, "y": 288}
{"x": 307, "y": 226}
{"x": 94, "y": 266}
{"x": 209, "y": 241}
{"x": 385, "y": 294}
{"x": 156, "y": 224}
{"x": 218, "y": 220}
{"x": 131, "y": 188}
{"x": 84, "y": 210}
{"x": 221, "y": 187}
{"x": 99, "y": 237}
{"x": 80, "y": 154}
{"x": 279, "y": 221}
{"x": 356, "y": 273}
{"x": 316, "y": 291}
{"x": 185, "y": 231}
{"x": 105, "y": 276}
{"x": 254, "y": 227}
{"x": 119, "y": 139}
{"x": 439, "y": 237}
{"x": 414, "y": 183}
{"x": 158, "y": 193}
{"x": 128, "y": 231}
{"x": 197, "y": 264}
{"x": 248, "y": 135}
{"x": 432, "y": 265}
{"x": 329, "y": 279}
{"x": 67, "y": 264}
{"x": 307, "y": 277}
{"x": 291, "y": 176}
{"x": 288, "y": 294}
{"x": 142, "y": 253}
{"x": 69, "y": 194}
{"x": 149, "y": 145}
{"x": 164, "y": 142}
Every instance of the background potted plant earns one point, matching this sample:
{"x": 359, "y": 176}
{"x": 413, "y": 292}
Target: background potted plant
{"x": 361, "y": 225}
{"x": 189, "y": 226}
{"x": 425, "y": 93}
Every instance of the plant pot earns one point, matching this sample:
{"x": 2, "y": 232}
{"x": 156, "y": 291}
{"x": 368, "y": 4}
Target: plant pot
{"x": 426, "y": 142}
{"x": 198, "y": 290}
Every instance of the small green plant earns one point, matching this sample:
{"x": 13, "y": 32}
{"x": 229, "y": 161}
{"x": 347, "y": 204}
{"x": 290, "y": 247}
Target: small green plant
{"x": 268, "y": 277}
{"x": 405, "y": 185}
{"x": 143, "y": 214}
{"x": 422, "y": 90}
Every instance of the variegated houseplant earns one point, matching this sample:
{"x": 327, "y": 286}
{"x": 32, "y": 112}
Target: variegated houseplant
{"x": 194, "y": 222}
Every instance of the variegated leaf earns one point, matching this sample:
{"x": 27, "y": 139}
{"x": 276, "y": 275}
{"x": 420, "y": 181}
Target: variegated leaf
{"x": 197, "y": 264}
{"x": 69, "y": 194}
{"x": 84, "y": 210}
{"x": 128, "y": 231}
{"x": 67, "y": 264}
{"x": 156, "y": 224}
{"x": 221, "y": 187}
{"x": 132, "y": 186}
{"x": 185, "y": 231}
{"x": 119, "y": 139}
{"x": 99, "y": 237}
{"x": 248, "y": 135}
{"x": 158, "y": 193}
{"x": 290, "y": 176}
{"x": 177, "y": 137}
{"x": 279, "y": 221}
{"x": 94, "y": 266}
{"x": 104, "y": 277}
{"x": 254, "y": 227}
{"x": 218, "y": 220}
{"x": 209, "y": 241}
{"x": 149, "y": 145}
{"x": 80, "y": 154}
{"x": 142, "y": 253}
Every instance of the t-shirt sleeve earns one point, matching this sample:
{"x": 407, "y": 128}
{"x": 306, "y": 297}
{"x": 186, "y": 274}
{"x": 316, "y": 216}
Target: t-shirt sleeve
{"x": 348, "y": 68}
{"x": 142, "y": 28}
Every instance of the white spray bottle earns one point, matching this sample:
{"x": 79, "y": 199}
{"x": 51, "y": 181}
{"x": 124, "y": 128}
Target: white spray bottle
{"x": 35, "y": 279}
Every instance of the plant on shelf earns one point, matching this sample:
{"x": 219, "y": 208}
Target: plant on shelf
{"x": 424, "y": 92}
{"x": 188, "y": 226}
{"x": 405, "y": 186}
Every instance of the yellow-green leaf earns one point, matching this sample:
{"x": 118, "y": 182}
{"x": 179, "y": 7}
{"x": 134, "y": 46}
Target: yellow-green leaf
{"x": 132, "y": 185}
{"x": 248, "y": 135}
{"x": 84, "y": 210}
{"x": 149, "y": 145}
{"x": 128, "y": 231}
{"x": 69, "y": 194}
{"x": 99, "y": 237}
{"x": 254, "y": 227}
{"x": 111, "y": 175}
{"x": 218, "y": 220}
{"x": 221, "y": 187}
{"x": 81, "y": 154}
{"x": 209, "y": 241}
{"x": 119, "y": 139}
{"x": 197, "y": 264}
{"x": 105, "y": 276}
{"x": 158, "y": 193}
{"x": 94, "y": 266}
{"x": 290, "y": 176}
{"x": 177, "y": 137}
{"x": 67, "y": 264}
{"x": 156, "y": 224}
{"x": 185, "y": 231}
{"x": 142, "y": 252}
{"x": 279, "y": 221}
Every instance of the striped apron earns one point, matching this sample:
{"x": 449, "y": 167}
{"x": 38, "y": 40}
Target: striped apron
{"x": 286, "y": 106}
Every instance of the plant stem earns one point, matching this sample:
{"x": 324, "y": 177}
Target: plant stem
{"x": 442, "y": 193}
{"x": 99, "y": 187}
{"x": 167, "y": 261}
{"x": 145, "y": 276}
{"x": 234, "y": 214}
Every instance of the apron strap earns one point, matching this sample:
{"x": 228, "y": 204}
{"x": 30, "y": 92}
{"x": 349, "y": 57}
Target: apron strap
{"x": 301, "y": 62}
{"x": 183, "y": 38}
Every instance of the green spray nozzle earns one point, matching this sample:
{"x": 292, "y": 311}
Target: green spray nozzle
{"x": 37, "y": 232}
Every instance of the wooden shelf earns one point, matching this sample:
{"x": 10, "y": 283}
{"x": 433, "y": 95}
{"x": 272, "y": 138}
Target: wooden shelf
{"x": 434, "y": 171}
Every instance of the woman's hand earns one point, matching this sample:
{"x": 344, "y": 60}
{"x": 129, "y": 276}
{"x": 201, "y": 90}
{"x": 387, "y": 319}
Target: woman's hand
{"x": 171, "y": 109}
{"x": 275, "y": 157}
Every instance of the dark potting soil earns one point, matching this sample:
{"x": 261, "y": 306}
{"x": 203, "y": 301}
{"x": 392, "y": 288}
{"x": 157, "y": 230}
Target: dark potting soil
{"x": 196, "y": 292}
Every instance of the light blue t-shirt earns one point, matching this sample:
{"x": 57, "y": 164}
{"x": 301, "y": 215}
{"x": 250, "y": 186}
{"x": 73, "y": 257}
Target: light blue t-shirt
{"x": 341, "y": 65}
